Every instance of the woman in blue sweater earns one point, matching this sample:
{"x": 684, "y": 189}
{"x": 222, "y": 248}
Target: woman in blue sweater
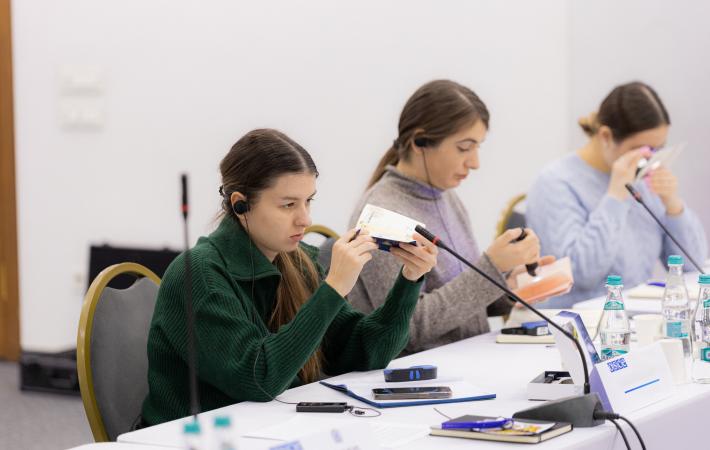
{"x": 580, "y": 208}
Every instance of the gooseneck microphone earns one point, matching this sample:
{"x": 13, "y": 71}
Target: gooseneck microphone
{"x": 637, "y": 196}
{"x": 578, "y": 410}
{"x": 189, "y": 312}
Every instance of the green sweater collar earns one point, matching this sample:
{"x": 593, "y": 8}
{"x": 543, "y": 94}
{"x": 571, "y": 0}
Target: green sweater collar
{"x": 232, "y": 242}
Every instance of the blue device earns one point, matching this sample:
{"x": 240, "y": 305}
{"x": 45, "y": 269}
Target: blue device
{"x": 414, "y": 373}
{"x": 484, "y": 423}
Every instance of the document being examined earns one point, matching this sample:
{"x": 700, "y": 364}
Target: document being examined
{"x": 388, "y": 228}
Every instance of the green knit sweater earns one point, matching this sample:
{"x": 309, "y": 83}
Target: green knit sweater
{"x": 231, "y": 330}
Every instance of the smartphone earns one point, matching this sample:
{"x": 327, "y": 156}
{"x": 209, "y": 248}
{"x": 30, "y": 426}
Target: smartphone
{"x": 405, "y": 393}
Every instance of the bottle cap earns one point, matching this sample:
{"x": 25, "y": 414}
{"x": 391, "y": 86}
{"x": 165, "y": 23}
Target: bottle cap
{"x": 704, "y": 278}
{"x": 675, "y": 259}
{"x": 192, "y": 428}
{"x": 613, "y": 280}
{"x": 222, "y": 422}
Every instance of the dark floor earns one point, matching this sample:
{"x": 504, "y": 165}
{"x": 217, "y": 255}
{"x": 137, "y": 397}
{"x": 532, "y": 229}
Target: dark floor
{"x": 38, "y": 421}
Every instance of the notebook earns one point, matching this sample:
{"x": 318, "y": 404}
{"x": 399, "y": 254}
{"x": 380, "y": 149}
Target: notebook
{"x": 522, "y": 431}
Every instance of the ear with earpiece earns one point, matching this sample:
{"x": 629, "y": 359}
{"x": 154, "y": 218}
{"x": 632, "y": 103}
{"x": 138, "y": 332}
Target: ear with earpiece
{"x": 422, "y": 142}
{"x": 240, "y": 207}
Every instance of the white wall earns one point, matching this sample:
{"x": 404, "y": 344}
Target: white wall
{"x": 184, "y": 79}
{"x": 664, "y": 44}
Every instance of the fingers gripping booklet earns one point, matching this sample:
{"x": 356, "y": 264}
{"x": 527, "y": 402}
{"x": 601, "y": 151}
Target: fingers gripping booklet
{"x": 388, "y": 228}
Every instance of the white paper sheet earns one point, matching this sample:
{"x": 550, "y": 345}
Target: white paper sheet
{"x": 387, "y": 434}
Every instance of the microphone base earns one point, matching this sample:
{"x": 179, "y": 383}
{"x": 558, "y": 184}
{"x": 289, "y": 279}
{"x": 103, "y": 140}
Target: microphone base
{"x": 577, "y": 410}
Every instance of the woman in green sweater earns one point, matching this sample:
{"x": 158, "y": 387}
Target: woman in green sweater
{"x": 266, "y": 318}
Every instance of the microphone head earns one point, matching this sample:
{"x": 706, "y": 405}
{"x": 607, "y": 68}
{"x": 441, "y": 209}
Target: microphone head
{"x": 184, "y": 206}
{"x": 428, "y": 235}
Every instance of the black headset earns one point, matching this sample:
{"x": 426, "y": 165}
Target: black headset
{"x": 422, "y": 142}
{"x": 239, "y": 207}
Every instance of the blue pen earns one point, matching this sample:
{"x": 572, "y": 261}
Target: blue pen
{"x": 500, "y": 422}
{"x": 657, "y": 283}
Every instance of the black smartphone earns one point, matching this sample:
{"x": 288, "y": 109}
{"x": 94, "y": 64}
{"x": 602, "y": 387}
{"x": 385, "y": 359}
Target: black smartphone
{"x": 405, "y": 393}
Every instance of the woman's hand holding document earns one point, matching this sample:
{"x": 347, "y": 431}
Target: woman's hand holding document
{"x": 388, "y": 228}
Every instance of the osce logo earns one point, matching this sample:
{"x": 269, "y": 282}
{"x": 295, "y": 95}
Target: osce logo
{"x": 617, "y": 364}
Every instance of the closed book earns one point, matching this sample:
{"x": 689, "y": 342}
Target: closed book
{"x": 522, "y": 431}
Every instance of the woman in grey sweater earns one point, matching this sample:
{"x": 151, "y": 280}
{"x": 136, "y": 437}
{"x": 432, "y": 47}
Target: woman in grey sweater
{"x": 440, "y": 130}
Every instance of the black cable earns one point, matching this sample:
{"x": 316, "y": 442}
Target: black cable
{"x": 623, "y": 435}
{"x": 604, "y": 415}
{"x": 261, "y": 344}
{"x": 511, "y": 295}
{"x": 359, "y": 411}
{"x": 436, "y": 203}
{"x": 437, "y": 410}
{"x": 256, "y": 382}
{"x": 638, "y": 435}
{"x": 356, "y": 411}
{"x": 251, "y": 257}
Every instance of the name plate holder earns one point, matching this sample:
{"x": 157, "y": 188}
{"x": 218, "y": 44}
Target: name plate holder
{"x": 631, "y": 381}
{"x": 625, "y": 383}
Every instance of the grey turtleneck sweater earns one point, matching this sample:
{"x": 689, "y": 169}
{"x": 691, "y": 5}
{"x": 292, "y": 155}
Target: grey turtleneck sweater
{"x": 453, "y": 301}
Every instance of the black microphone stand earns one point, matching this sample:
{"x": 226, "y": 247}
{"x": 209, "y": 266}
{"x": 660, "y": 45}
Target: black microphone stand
{"x": 189, "y": 312}
{"x": 637, "y": 196}
{"x": 579, "y": 409}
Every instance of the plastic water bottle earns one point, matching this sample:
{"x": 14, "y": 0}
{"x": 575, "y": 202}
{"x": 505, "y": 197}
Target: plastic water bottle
{"x": 701, "y": 333}
{"x": 676, "y": 307}
{"x": 223, "y": 433}
{"x": 193, "y": 436}
{"x": 614, "y": 326}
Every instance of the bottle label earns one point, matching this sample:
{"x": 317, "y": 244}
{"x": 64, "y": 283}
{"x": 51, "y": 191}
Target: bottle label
{"x": 705, "y": 354}
{"x": 677, "y": 329}
{"x": 613, "y": 306}
{"x": 608, "y": 353}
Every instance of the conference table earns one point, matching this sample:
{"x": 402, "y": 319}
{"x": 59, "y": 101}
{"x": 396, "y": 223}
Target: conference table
{"x": 504, "y": 369}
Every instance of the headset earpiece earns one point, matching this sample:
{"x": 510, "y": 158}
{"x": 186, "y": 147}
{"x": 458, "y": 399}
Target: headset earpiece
{"x": 240, "y": 207}
{"x": 422, "y": 142}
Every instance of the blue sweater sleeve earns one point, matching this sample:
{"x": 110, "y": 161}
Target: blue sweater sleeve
{"x": 566, "y": 228}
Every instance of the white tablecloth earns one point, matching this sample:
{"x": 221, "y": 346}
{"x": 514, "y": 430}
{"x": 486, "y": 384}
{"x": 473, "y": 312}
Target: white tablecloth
{"x": 674, "y": 423}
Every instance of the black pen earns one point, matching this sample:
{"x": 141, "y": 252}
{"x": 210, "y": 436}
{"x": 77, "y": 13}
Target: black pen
{"x": 531, "y": 268}
{"x": 357, "y": 233}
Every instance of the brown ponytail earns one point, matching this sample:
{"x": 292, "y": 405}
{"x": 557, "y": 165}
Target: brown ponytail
{"x": 589, "y": 124}
{"x": 299, "y": 281}
{"x": 435, "y": 111}
{"x": 390, "y": 158}
{"x": 252, "y": 165}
